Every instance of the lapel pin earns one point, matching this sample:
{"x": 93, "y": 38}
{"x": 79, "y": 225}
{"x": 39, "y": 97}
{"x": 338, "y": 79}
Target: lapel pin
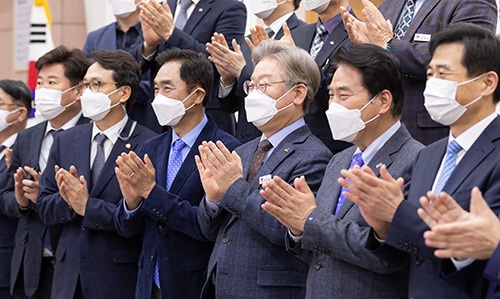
{"x": 332, "y": 42}
{"x": 200, "y": 9}
{"x": 378, "y": 165}
{"x": 128, "y": 146}
{"x": 286, "y": 150}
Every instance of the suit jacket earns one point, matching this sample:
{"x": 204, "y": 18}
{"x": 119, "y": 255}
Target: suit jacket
{"x": 208, "y": 17}
{"x": 479, "y": 167}
{"x": 334, "y": 245}
{"x": 249, "y": 259}
{"x": 28, "y": 249}
{"x": 413, "y": 53}
{"x": 168, "y": 220}
{"x": 90, "y": 250}
{"x": 235, "y": 101}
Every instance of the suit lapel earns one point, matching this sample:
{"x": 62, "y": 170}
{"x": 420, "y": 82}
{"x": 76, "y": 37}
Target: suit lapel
{"x": 110, "y": 37}
{"x": 81, "y": 147}
{"x": 173, "y": 5}
{"x": 35, "y": 151}
{"x": 162, "y": 164}
{"x": 426, "y": 9}
{"x": 304, "y": 40}
{"x": 334, "y": 40}
{"x": 292, "y": 22}
{"x": 343, "y": 162}
{"x": 197, "y": 15}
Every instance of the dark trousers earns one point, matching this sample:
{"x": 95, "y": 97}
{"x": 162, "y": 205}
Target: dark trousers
{"x": 155, "y": 292}
{"x": 44, "y": 285}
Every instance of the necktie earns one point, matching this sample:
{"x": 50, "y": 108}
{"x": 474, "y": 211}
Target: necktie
{"x": 357, "y": 159}
{"x": 450, "y": 162}
{"x": 404, "y": 23}
{"x": 269, "y": 32}
{"x": 100, "y": 157}
{"x": 182, "y": 16}
{"x": 318, "y": 40}
{"x": 174, "y": 164}
{"x": 258, "y": 157}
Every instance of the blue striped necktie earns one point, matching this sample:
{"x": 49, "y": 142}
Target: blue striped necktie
{"x": 357, "y": 159}
{"x": 450, "y": 162}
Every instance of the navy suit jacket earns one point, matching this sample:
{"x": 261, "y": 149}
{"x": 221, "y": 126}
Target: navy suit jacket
{"x": 413, "y": 53}
{"x": 28, "y": 249}
{"x": 405, "y": 243}
{"x": 90, "y": 249}
{"x": 209, "y": 16}
{"x": 168, "y": 220}
{"x": 235, "y": 101}
{"x": 249, "y": 259}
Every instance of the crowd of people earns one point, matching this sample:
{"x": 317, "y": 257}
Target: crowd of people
{"x": 363, "y": 161}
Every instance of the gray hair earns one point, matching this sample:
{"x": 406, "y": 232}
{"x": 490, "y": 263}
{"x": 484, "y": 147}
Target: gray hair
{"x": 297, "y": 66}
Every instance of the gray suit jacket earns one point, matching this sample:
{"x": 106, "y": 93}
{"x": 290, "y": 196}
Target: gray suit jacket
{"x": 334, "y": 245}
{"x": 413, "y": 53}
{"x": 249, "y": 259}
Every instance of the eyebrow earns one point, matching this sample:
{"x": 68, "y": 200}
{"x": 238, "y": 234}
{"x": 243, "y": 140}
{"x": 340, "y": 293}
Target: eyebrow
{"x": 440, "y": 66}
{"x": 262, "y": 77}
{"x": 165, "y": 82}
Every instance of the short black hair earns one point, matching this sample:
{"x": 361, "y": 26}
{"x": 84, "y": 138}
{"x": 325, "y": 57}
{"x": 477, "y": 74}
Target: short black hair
{"x": 481, "y": 49}
{"x": 18, "y": 91}
{"x": 126, "y": 70}
{"x": 379, "y": 69}
{"x": 195, "y": 70}
{"x": 296, "y": 3}
{"x": 74, "y": 61}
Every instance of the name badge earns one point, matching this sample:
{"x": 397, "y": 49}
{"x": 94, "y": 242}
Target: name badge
{"x": 264, "y": 178}
{"x": 421, "y": 37}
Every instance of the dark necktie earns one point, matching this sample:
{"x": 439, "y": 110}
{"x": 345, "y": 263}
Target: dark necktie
{"x": 317, "y": 44}
{"x": 269, "y": 32}
{"x": 357, "y": 159}
{"x": 182, "y": 16}
{"x": 450, "y": 162}
{"x": 100, "y": 157}
{"x": 258, "y": 157}
{"x": 404, "y": 23}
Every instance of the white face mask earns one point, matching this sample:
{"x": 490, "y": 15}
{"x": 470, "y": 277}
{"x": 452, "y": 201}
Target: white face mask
{"x": 264, "y": 8}
{"x": 3, "y": 118}
{"x": 345, "y": 124}
{"x": 440, "y": 100}
{"x": 122, "y": 8}
{"x": 48, "y": 102}
{"x": 261, "y": 108}
{"x": 96, "y": 105}
{"x": 170, "y": 111}
{"x": 318, "y": 6}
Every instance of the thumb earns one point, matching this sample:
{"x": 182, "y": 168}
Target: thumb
{"x": 477, "y": 202}
{"x": 286, "y": 29}
{"x": 83, "y": 181}
{"x": 148, "y": 162}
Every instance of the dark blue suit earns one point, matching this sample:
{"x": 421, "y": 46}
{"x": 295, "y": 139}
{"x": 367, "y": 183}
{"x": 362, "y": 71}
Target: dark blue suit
{"x": 168, "y": 220}
{"x": 209, "y": 16}
{"x": 479, "y": 167}
{"x": 90, "y": 250}
{"x": 235, "y": 101}
{"x": 28, "y": 249}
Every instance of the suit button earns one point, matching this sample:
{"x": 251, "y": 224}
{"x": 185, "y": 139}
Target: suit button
{"x": 64, "y": 219}
{"x": 318, "y": 266}
{"x": 225, "y": 240}
{"x": 83, "y": 228}
{"x": 151, "y": 258}
{"x": 418, "y": 260}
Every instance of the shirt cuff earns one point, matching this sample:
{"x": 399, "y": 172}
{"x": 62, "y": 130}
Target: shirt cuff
{"x": 224, "y": 91}
{"x": 296, "y": 239}
{"x": 129, "y": 214}
{"x": 461, "y": 264}
{"x": 212, "y": 208}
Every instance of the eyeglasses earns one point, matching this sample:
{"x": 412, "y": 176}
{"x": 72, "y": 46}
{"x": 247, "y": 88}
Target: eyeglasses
{"x": 248, "y": 86}
{"x": 94, "y": 85}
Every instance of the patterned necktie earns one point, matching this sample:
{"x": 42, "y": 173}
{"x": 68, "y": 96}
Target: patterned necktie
{"x": 318, "y": 40}
{"x": 182, "y": 17}
{"x": 100, "y": 157}
{"x": 450, "y": 162}
{"x": 269, "y": 32}
{"x": 357, "y": 159}
{"x": 404, "y": 23}
{"x": 174, "y": 164}
{"x": 258, "y": 157}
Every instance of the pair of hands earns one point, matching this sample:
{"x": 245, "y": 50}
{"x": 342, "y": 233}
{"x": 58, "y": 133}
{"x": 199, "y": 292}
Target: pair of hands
{"x": 157, "y": 22}
{"x": 230, "y": 63}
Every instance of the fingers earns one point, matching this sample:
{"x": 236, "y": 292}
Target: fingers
{"x": 35, "y": 174}
{"x": 477, "y": 201}
{"x": 301, "y": 185}
{"x": 250, "y": 44}
{"x": 236, "y": 46}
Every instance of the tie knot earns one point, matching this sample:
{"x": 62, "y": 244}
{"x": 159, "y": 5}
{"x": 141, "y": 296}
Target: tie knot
{"x": 357, "y": 159}
{"x": 265, "y": 145}
{"x": 321, "y": 30}
{"x": 55, "y": 132}
{"x": 185, "y": 4}
{"x": 269, "y": 32}
{"x": 178, "y": 145}
{"x": 100, "y": 138}
{"x": 453, "y": 147}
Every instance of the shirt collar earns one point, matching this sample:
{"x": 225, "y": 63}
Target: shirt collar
{"x": 190, "y": 138}
{"x": 68, "y": 125}
{"x": 137, "y": 27}
{"x": 277, "y": 137}
{"x": 332, "y": 23}
{"x": 9, "y": 142}
{"x": 113, "y": 132}
{"x": 278, "y": 23}
{"x": 378, "y": 143}
{"x": 469, "y": 136}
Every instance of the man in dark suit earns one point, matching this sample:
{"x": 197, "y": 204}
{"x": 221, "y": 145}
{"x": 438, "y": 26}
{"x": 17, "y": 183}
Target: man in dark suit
{"x": 162, "y": 204}
{"x": 409, "y": 43}
{"x": 124, "y": 34}
{"x": 15, "y": 106}
{"x": 189, "y": 24}
{"x": 79, "y": 190}
{"x": 57, "y": 99}
{"x": 236, "y": 67}
{"x": 249, "y": 259}
{"x": 471, "y": 236}
{"x": 462, "y": 91}
{"x": 330, "y": 231}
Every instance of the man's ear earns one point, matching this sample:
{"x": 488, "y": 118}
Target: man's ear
{"x": 125, "y": 93}
{"x": 300, "y": 91}
{"x": 385, "y": 98}
{"x": 199, "y": 95}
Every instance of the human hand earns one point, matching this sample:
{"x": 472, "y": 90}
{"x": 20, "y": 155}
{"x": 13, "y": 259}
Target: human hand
{"x": 74, "y": 188}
